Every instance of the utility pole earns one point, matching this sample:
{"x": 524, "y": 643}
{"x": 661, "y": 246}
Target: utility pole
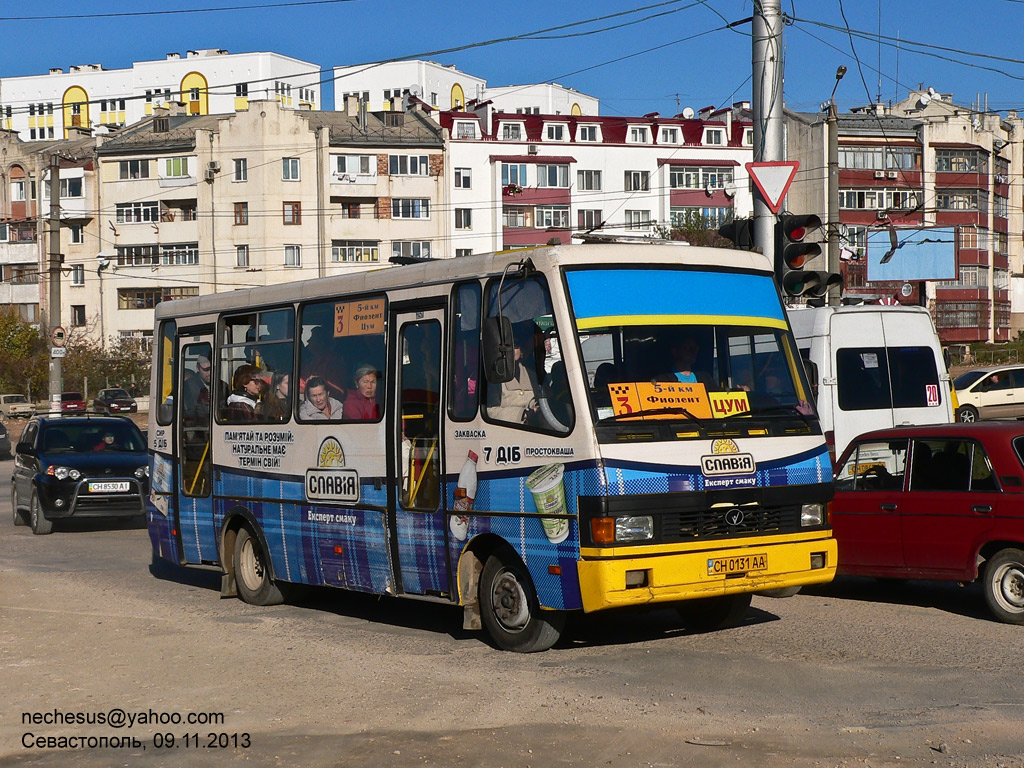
{"x": 53, "y": 314}
{"x": 766, "y": 102}
{"x": 832, "y": 127}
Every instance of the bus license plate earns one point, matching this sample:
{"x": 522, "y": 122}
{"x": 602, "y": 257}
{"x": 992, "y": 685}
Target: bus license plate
{"x": 120, "y": 487}
{"x": 727, "y": 566}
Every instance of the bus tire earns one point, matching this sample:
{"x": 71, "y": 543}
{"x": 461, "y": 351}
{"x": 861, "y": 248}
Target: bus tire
{"x": 709, "y": 613}
{"x": 1003, "y": 582}
{"x": 252, "y": 573}
{"x": 40, "y": 525}
{"x": 509, "y": 608}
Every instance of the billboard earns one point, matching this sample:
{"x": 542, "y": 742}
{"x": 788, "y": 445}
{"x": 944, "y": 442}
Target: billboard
{"x": 906, "y": 254}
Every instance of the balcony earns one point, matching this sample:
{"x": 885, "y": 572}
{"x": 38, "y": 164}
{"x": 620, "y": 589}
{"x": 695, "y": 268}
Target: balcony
{"x": 19, "y": 293}
{"x": 25, "y": 252}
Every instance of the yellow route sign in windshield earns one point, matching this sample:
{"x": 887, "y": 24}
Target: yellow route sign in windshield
{"x": 643, "y": 399}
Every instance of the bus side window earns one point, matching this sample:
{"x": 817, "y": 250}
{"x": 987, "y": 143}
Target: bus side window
{"x": 165, "y": 374}
{"x": 465, "y": 355}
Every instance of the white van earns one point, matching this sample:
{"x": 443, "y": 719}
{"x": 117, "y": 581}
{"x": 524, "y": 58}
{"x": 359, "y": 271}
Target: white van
{"x": 873, "y": 367}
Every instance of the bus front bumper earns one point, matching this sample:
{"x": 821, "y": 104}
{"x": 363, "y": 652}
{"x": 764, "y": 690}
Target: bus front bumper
{"x": 622, "y": 579}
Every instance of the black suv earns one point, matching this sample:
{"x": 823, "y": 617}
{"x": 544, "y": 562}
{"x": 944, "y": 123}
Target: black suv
{"x": 114, "y": 400}
{"x": 78, "y": 466}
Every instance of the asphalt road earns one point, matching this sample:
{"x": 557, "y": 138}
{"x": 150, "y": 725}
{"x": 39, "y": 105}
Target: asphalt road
{"x": 861, "y": 673}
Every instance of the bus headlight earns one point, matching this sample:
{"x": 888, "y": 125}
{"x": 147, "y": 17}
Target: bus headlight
{"x": 634, "y": 528}
{"x": 812, "y": 514}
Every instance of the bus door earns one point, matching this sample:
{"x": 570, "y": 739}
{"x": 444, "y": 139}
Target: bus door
{"x": 416, "y": 514}
{"x": 195, "y": 477}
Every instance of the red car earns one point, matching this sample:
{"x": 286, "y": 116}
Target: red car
{"x": 944, "y": 501}
{"x": 72, "y": 402}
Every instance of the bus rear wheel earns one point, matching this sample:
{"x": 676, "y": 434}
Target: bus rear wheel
{"x": 709, "y": 613}
{"x": 509, "y": 607}
{"x": 252, "y": 571}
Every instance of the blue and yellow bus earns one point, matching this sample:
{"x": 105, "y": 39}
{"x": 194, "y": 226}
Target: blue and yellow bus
{"x": 527, "y": 434}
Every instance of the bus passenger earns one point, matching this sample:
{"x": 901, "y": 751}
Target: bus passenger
{"x": 276, "y": 404}
{"x": 196, "y": 394}
{"x": 245, "y": 395}
{"x": 518, "y": 395}
{"x": 361, "y": 403}
{"x": 318, "y": 403}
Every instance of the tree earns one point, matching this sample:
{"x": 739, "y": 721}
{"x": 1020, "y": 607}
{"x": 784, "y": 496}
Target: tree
{"x": 24, "y": 366}
{"x": 693, "y": 228}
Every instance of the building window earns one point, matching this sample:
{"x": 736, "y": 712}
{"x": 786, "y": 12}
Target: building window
{"x": 707, "y": 216}
{"x": 137, "y": 256}
{"x": 553, "y": 176}
{"x": 714, "y": 137}
{"x": 133, "y": 169}
{"x": 350, "y": 210}
{"x": 511, "y": 132}
{"x": 556, "y": 133}
{"x": 78, "y": 275}
{"x": 961, "y": 161}
{"x": 147, "y": 298}
{"x": 241, "y": 255}
{"x": 241, "y": 213}
{"x": 638, "y": 135}
{"x": 179, "y": 254}
{"x": 555, "y": 216}
{"x": 516, "y": 217}
{"x": 588, "y": 181}
{"x": 77, "y": 233}
{"x": 241, "y": 169}
{"x": 748, "y": 137}
{"x": 176, "y": 167}
{"x": 463, "y": 218}
{"x": 465, "y": 130}
{"x": 586, "y": 133}
{"x": 590, "y": 218}
{"x": 961, "y": 200}
{"x": 411, "y": 249}
{"x": 459, "y": 252}
{"x": 410, "y": 208}
{"x": 511, "y": 173}
{"x": 408, "y": 165}
{"x": 290, "y": 169}
{"x": 355, "y": 250}
{"x": 669, "y": 135}
{"x": 17, "y": 191}
{"x": 78, "y": 315}
{"x": 706, "y": 177}
{"x": 293, "y": 213}
{"x": 638, "y": 181}
{"x": 638, "y": 219}
{"x": 463, "y": 178}
{"x": 134, "y": 213}
{"x": 241, "y": 89}
{"x": 293, "y": 255}
{"x": 347, "y": 167}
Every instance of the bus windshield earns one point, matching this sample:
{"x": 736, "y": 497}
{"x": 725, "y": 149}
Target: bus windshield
{"x": 686, "y": 345}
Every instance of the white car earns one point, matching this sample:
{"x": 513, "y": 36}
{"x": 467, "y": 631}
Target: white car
{"x": 15, "y": 406}
{"x": 990, "y": 393}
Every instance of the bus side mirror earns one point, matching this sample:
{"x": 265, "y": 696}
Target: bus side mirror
{"x": 811, "y": 371}
{"x": 498, "y": 350}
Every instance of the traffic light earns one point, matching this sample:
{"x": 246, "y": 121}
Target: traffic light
{"x": 739, "y": 232}
{"x": 792, "y": 254}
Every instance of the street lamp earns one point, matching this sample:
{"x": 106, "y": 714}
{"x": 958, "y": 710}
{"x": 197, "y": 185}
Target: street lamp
{"x": 832, "y": 124}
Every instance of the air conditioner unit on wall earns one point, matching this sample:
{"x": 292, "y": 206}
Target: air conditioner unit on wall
{"x": 893, "y": 175}
{"x": 213, "y": 165}
{"x": 879, "y": 174}
{"x": 209, "y": 174}
{"x": 531, "y": 148}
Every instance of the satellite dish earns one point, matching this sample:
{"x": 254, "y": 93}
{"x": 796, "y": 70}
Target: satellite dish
{"x": 730, "y": 190}
{"x": 688, "y": 113}
{"x": 976, "y": 123}
{"x": 932, "y": 92}
{"x": 924, "y": 101}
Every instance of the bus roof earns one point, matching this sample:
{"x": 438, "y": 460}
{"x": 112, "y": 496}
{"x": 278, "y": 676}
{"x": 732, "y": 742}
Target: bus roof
{"x": 444, "y": 271}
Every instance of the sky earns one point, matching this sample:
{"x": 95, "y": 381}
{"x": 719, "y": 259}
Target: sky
{"x": 636, "y": 56}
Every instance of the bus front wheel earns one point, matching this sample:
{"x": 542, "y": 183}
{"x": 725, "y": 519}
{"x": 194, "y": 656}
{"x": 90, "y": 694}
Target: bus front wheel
{"x": 252, "y": 572}
{"x": 509, "y": 607}
{"x": 709, "y": 613}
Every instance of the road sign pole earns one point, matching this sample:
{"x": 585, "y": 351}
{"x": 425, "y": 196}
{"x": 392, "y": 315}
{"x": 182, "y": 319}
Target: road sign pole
{"x": 766, "y": 37}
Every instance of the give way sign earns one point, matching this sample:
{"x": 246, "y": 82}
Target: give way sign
{"x": 773, "y": 179}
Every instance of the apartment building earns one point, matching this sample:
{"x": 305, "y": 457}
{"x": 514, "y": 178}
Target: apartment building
{"x": 445, "y": 88}
{"x": 190, "y": 205}
{"x": 520, "y": 179}
{"x": 207, "y": 81}
{"x": 921, "y": 163}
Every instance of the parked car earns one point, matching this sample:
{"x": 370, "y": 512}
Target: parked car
{"x": 990, "y": 393}
{"x": 943, "y": 501}
{"x": 114, "y": 401}
{"x": 78, "y": 466}
{"x": 15, "y": 406}
{"x": 72, "y": 402}
{"x": 5, "y": 442}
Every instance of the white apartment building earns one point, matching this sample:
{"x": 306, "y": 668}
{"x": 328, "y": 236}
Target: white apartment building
{"x": 208, "y": 81}
{"x": 192, "y": 205}
{"x": 518, "y": 180}
{"x": 446, "y": 88}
